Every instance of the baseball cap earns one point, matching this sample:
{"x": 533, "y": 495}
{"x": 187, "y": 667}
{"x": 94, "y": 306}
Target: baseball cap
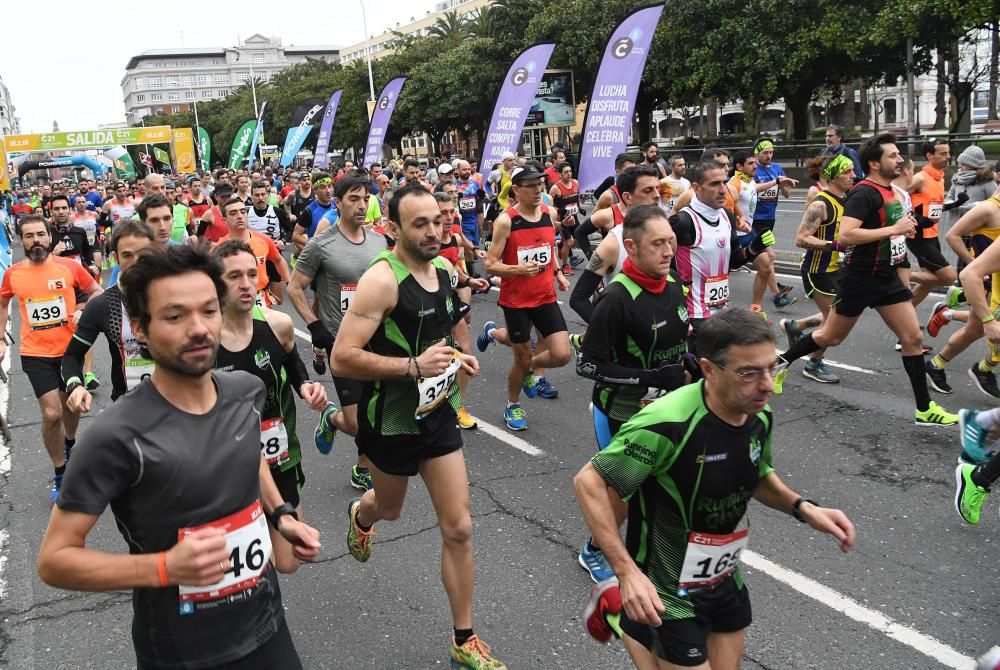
{"x": 445, "y": 168}
{"x": 506, "y": 155}
{"x": 526, "y": 173}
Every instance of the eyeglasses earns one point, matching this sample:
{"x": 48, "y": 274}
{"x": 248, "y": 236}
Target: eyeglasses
{"x": 754, "y": 375}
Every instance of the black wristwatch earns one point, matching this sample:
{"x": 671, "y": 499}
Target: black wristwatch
{"x": 73, "y": 385}
{"x": 280, "y": 511}
{"x": 798, "y": 504}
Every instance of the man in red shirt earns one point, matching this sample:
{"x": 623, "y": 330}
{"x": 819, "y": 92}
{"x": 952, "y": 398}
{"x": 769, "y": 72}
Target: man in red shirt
{"x": 272, "y": 270}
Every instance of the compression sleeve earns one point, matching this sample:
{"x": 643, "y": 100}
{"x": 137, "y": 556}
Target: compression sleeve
{"x": 83, "y": 339}
{"x": 579, "y": 300}
{"x": 922, "y": 221}
{"x": 683, "y": 228}
{"x": 582, "y": 236}
{"x": 295, "y": 370}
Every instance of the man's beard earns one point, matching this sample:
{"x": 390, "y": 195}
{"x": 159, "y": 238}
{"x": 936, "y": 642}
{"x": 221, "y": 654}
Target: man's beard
{"x": 38, "y": 253}
{"x": 179, "y": 366}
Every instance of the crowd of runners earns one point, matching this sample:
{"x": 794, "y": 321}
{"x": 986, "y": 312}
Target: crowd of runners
{"x": 199, "y": 456}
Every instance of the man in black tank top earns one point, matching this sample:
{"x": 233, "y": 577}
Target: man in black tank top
{"x": 411, "y": 397}
{"x": 261, "y": 342}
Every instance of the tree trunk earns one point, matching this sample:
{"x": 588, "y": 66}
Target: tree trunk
{"x": 866, "y": 123}
{"x": 941, "y": 94}
{"x": 991, "y": 114}
{"x": 797, "y": 105}
{"x": 751, "y": 115}
{"x": 644, "y": 112}
{"x": 956, "y": 88}
{"x": 702, "y": 123}
{"x": 850, "y": 119}
{"x": 713, "y": 117}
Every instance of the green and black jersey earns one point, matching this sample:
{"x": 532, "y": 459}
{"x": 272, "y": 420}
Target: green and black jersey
{"x": 420, "y": 319}
{"x": 683, "y": 469}
{"x": 264, "y": 358}
{"x": 632, "y": 330}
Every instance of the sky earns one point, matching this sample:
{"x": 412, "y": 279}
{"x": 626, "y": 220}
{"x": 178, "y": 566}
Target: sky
{"x": 70, "y": 69}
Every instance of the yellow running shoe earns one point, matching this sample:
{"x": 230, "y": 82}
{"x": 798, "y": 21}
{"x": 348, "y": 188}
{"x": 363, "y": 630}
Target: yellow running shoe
{"x": 474, "y": 655}
{"x": 465, "y": 420}
{"x": 359, "y": 542}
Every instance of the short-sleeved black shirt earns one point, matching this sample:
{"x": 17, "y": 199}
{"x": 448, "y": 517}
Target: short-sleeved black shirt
{"x": 877, "y": 207}
{"x": 162, "y": 469}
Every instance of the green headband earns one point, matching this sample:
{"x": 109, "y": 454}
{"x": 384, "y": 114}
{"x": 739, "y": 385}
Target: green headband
{"x": 322, "y": 180}
{"x": 763, "y": 145}
{"x": 837, "y": 166}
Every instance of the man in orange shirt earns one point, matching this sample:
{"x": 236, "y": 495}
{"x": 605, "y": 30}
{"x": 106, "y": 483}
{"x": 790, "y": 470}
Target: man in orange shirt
{"x": 927, "y": 194}
{"x": 46, "y": 286}
{"x": 272, "y": 270}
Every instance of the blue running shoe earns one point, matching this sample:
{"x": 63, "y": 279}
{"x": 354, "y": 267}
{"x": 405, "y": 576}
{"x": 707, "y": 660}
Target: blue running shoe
{"x": 325, "y": 430}
{"x": 485, "y": 337}
{"x": 973, "y": 438}
{"x": 515, "y": 418}
{"x": 784, "y": 300}
{"x": 530, "y": 385}
{"x": 56, "y": 485}
{"x": 592, "y": 560}
{"x": 545, "y": 389}
{"x": 576, "y": 261}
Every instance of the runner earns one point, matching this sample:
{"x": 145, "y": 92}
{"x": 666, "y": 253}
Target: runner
{"x": 243, "y": 190}
{"x": 86, "y": 220}
{"x": 817, "y": 234}
{"x": 708, "y": 245}
{"x": 674, "y": 184}
{"x": 771, "y": 181}
{"x": 679, "y": 461}
{"x": 607, "y": 193}
{"x": 927, "y": 194}
{"x": 116, "y": 209}
{"x": 261, "y": 342}
{"x": 637, "y": 343}
{"x": 522, "y": 253}
{"x": 312, "y": 214}
{"x": 471, "y": 197}
{"x": 874, "y": 228}
{"x": 272, "y": 270}
{"x": 106, "y": 314}
{"x": 46, "y": 287}
{"x": 203, "y": 591}
{"x": 179, "y": 229}
{"x": 396, "y": 335}
{"x": 982, "y": 225}
{"x": 266, "y": 219}
{"x": 334, "y": 261}
{"x": 565, "y": 194}
{"x": 651, "y": 158}
{"x": 198, "y": 203}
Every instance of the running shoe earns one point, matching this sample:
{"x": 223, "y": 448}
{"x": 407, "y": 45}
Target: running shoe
{"x": 792, "y": 333}
{"x": 955, "y": 297}
{"x": 782, "y": 300}
{"x": 604, "y": 610}
{"x": 567, "y": 270}
{"x": 325, "y": 430}
{"x": 361, "y": 479}
{"x": 545, "y": 389}
{"x": 576, "y": 261}
{"x": 973, "y": 438}
{"x": 465, "y": 420}
{"x": 969, "y": 496}
{"x": 530, "y": 385}
{"x": 56, "y": 485}
{"x": 576, "y": 341}
{"x": 984, "y": 381}
{"x": 359, "y": 542}
{"x": 474, "y": 655}
{"x": 757, "y": 310}
{"x": 938, "y": 378}
{"x": 779, "y": 381}
{"x": 90, "y": 381}
{"x": 935, "y": 415}
{"x": 784, "y": 289}
{"x": 938, "y": 320}
{"x": 485, "y": 337}
{"x": 593, "y": 561}
{"x": 819, "y": 372}
{"x": 515, "y": 418}
{"x": 319, "y": 361}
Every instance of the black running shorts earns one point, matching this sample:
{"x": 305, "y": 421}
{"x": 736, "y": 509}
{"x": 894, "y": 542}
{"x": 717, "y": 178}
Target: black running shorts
{"x": 819, "y": 282}
{"x": 928, "y": 252}
{"x": 44, "y": 373}
{"x": 548, "y": 319}
{"x": 858, "y": 291}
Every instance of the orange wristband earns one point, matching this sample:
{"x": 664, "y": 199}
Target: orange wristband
{"x": 161, "y": 567}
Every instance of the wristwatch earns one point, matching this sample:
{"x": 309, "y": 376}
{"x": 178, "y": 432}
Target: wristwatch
{"x": 73, "y": 384}
{"x": 280, "y": 511}
{"x": 798, "y": 504}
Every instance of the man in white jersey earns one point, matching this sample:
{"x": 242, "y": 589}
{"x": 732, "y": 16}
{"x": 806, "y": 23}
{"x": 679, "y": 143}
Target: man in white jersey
{"x": 265, "y": 218}
{"x": 674, "y": 184}
{"x": 86, "y": 220}
{"x": 708, "y": 244}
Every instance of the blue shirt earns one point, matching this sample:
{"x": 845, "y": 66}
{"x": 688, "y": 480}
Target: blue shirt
{"x": 470, "y": 197}
{"x": 94, "y": 201}
{"x": 317, "y": 212}
{"x": 767, "y": 200}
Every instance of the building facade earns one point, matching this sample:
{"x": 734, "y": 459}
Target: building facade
{"x": 9, "y": 123}
{"x": 169, "y": 81}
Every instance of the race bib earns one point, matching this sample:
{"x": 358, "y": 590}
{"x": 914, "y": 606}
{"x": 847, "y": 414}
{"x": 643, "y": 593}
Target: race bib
{"x": 46, "y": 312}
{"x": 540, "y": 254}
{"x": 711, "y": 558}
{"x": 768, "y": 194}
{"x": 571, "y": 210}
{"x": 935, "y": 210}
{"x": 274, "y": 441}
{"x": 454, "y": 279}
{"x": 137, "y": 369}
{"x": 897, "y": 249}
{"x": 467, "y": 204}
{"x": 347, "y": 292}
{"x": 263, "y": 300}
{"x": 433, "y": 390}
{"x": 652, "y": 394}
{"x": 717, "y": 290}
{"x": 249, "y": 546}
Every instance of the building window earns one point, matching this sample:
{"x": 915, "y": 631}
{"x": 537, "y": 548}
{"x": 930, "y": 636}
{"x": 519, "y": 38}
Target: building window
{"x": 140, "y": 98}
{"x": 175, "y": 109}
{"x": 138, "y": 83}
{"x": 173, "y": 96}
{"x": 156, "y": 82}
{"x": 156, "y": 97}
{"x": 890, "y": 110}
{"x": 223, "y": 92}
{"x": 257, "y": 59}
{"x": 189, "y": 95}
{"x": 206, "y": 94}
{"x": 188, "y": 80}
{"x": 202, "y": 80}
{"x": 221, "y": 79}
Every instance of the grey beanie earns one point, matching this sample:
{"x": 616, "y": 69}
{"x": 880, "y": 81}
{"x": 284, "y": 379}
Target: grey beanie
{"x": 973, "y": 156}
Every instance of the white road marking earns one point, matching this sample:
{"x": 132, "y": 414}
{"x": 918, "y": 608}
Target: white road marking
{"x": 925, "y": 644}
{"x": 842, "y": 366}
{"x": 489, "y": 429}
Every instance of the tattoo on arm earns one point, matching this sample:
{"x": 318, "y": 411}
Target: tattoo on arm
{"x": 596, "y": 262}
{"x": 365, "y": 316}
{"x": 813, "y": 218}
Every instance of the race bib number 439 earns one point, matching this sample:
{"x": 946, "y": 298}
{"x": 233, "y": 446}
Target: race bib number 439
{"x": 46, "y": 312}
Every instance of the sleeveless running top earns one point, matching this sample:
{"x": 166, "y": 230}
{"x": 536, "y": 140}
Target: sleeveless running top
{"x": 982, "y": 238}
{"x": 932, "y": 199}
{"x": 449, "y": 249}
{"x": 529, "y": 241}
{"x": 267, "y": 224}
{"x": 618, "y": 233}
{"x": 121, "y": 212}
{"x": 704, "y": 265}
{"x": 568, "y": 200}
{"x": 828, "y": 260}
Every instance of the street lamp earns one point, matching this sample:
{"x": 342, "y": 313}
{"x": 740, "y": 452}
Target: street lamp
{"x": 197, "y": 126}
{"x": 368, "y": 57}
{"x": 256, "y": 110}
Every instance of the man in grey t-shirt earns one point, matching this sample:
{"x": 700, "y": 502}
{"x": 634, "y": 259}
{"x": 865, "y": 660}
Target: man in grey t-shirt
{"x": 335, "y": 260}
{"x": 179, "y": 461}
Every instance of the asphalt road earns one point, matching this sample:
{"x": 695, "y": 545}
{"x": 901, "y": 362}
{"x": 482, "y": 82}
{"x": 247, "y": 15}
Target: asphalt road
{"x": 918, "y": 582}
